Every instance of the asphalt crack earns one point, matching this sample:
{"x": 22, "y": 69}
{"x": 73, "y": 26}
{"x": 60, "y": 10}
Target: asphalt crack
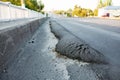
{"x": 71, "y": 46}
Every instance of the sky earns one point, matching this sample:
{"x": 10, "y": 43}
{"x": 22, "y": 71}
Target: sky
{"x": 67, "y": 4}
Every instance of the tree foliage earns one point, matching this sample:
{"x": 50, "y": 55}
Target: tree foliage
{"x": 81, "y": 12}
{"x": 15, "y": 2}
{"x": 96, "y": 12}
{"x": 59, "y": 12}
{"x": 34, "y": 5}
{"x": 76, "y": 12}
{"x": 69, "y": 13}
{"x": 40, "y": 6}
{"x": 104, "y": 3}
{"x": 30, "y": 4}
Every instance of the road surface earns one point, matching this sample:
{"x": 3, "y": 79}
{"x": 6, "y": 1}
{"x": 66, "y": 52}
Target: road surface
{"x": 38, "y": 60}
{"x": 102, "y": 35}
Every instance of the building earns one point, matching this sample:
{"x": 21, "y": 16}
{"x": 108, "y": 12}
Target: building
{"x": 109, "y": 11}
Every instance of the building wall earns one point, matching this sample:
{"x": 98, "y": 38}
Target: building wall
{"x": 112, "y": 12}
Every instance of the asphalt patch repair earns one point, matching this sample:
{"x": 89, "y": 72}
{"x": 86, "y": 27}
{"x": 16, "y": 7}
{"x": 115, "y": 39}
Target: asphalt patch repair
{"x": 71, "y": 46}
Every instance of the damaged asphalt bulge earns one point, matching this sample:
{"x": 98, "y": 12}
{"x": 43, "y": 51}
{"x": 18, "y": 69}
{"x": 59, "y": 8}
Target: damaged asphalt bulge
{"x": 75, "y": 48}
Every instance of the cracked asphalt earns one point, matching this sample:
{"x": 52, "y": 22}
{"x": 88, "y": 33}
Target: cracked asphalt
{"x": 69, "y": 49}
{"x": 71, "y": 46}
{"x": 38, "y": 60}
{"x": 94, "y": 42}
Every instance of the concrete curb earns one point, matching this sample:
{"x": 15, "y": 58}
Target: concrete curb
{"x": 13, "y": 38}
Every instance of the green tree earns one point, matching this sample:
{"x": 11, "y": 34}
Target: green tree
{"x": 108, "y": 3}
{"x": 69, "y": 13}
{"x": 40, "y": 6}
{"x": 59, "y": 12}
{"x": 15, "y": 2}
{"x": 30, "y": 4}
{"x": 96, "y": 12}
{"x": 90, "y": 12}
{"x": 5, "y": 0}
{"x": 77, "y": 10}
{"x": 81, "y": 12}
{"x": 34, "y": 5}
{"x": 104, "y": 3}
{"x": 100, "y": 4}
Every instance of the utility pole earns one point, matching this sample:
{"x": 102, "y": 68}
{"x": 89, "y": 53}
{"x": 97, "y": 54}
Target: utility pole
{"x": 22, "y": 3}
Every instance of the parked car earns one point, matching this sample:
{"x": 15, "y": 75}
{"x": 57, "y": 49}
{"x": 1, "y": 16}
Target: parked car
{"x": 106, "y": 15}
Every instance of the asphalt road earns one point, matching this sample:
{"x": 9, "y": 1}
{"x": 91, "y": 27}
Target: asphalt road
{"x": 38, "y": 60}
{"x": 102, "y": 35}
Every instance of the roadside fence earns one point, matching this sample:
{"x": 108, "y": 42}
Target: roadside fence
{"x": 10, "y": 12}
